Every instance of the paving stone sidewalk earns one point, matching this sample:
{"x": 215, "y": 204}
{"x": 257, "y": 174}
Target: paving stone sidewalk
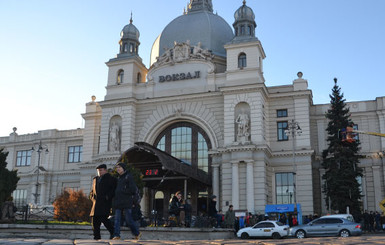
{"x": 365, "y": 239}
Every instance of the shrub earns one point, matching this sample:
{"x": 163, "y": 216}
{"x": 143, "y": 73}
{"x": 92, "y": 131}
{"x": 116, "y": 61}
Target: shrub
{"x": 72, "y": 205}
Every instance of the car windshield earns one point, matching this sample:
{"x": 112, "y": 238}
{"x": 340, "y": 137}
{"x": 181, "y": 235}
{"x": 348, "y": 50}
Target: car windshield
{"x": 279, "y": 223}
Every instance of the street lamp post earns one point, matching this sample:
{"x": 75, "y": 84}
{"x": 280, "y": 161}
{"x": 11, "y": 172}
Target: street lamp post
{"x": 39, "y": 150}
{"x": 292, "y": 130}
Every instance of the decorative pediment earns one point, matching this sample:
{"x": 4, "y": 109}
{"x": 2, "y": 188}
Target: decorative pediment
{"x": 182, "y": 52}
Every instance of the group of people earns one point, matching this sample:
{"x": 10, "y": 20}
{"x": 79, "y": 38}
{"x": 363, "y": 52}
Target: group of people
{"x": 118, "y": 193}
{"x": 180, "y": 210}
{"x": 372, "y": 221}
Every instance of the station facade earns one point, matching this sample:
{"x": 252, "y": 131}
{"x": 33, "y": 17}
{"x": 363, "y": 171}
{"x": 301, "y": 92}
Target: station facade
{"x": 200, "y": 120}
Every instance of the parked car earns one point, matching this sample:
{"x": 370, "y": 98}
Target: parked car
{"x": 268, "y": 228}
{"x": 327, "y": 226}
{"x": 344, "y": 216}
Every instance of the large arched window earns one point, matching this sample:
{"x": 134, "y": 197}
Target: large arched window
{"x": 242, "y": 60}
{"x": 120, "y": 77}
{"x": 187, "y": 142}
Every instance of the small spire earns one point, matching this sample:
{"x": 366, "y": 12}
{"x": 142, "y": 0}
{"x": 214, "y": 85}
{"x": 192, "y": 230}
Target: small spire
{"x": 335, "y": 80}
{"x": 131, "y": 18}
{"x": 244, "y": 2}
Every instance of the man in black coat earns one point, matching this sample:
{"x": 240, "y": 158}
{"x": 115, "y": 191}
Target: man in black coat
{"x": 213, "y": 212}
{"x": 102, "y": 192}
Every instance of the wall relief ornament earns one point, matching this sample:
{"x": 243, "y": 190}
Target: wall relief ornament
{"x": 183, "y": 52}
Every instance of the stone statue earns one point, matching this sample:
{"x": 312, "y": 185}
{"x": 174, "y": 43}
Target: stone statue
{"x": 199, "y": 53}
{"x": 114, "y": 137}
{"x": 166, "y": 56}
{"x": 243, "y": 124}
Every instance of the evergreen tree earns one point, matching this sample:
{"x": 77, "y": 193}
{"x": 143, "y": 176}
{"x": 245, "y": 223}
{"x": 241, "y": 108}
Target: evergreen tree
{"x": 8, "y": 179}
{"x": 340, "y": 159}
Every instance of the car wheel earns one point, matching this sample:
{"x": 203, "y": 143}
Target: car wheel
{"x": 300, "y": 234}
{"x": 244, "y": 235}
{"x": 344, "y": 233}
{"x": 276, "y": 235}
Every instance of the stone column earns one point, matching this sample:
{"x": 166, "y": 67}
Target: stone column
{"x": 364, "y": 186}
{"x": 43, "y": 188}
{"x": 216, "y": 181}
{"x": 377, "y": 187}
{"x": 145, "y": 202}
{"x": 235, "y": 185}
{"x": 381, "y": 122}
{"x": 250, "y": 186}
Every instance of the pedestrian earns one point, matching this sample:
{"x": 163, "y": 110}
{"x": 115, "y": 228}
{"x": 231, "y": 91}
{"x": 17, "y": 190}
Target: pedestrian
{"x": 295, "y": 221}
{"x": 102, "y": 192}
{"x": 290, "y": 220}
{"x": 188, "y": 212}
{"x": 282, "y": 219}
{"x": 382, "y": 219}
{"x": 124, "y": 202}
{"x": 213, "y": 212}
{"x": 366, "y": 218}
{"x": 230, "y": 217}
{"x": 371, "y": 222}
{"x": 174, "y": 208}
{"x": 377, "y": 218}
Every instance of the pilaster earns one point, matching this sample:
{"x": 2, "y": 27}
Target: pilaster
{"x": 235, "y": 184}
{"x": 250, "y": 186}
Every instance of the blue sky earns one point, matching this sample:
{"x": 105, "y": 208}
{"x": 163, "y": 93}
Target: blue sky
{"x": 53, "y": 53}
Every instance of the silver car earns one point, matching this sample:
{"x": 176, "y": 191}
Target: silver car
{"x": 327, "y": 226}
{"x": 268, "y": 228}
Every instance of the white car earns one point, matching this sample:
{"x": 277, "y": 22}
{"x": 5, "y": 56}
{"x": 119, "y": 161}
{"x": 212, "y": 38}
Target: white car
{"x": 268, "y": 228}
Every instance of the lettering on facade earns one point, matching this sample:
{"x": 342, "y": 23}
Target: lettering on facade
{"x": 180, "y": 76}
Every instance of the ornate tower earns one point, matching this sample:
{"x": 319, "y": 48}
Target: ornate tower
{"x": 244, "y": 24}
{"x": 125, "y": 73}
{"x": 129, "y": 41}
{"x": 245, "y": 51}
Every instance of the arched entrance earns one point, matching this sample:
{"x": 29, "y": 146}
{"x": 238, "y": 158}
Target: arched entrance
{"x": 164, "y": 175}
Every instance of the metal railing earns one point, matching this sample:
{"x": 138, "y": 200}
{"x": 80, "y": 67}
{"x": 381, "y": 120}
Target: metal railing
{"x": 29, "y": 213}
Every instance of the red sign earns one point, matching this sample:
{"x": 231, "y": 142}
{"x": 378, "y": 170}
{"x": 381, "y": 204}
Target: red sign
{"x": 151, "y": 172}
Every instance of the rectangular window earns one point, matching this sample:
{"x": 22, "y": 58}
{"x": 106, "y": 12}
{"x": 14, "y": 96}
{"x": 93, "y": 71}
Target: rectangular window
{"x": 356, "y": 137}
{"x": 284, "y": 188}
{"x": 19, "y": 198}
{"x": 281, "y": 127}
{"x": 181, "y": 144}
{"x": 242, "y": 61}
{"x": 359, "y": 181}
{"x": 203, "y": 161}
{"x": 75, "y": 153}
{"x": 282, "y": 113}
{"x": 23, "y": 158}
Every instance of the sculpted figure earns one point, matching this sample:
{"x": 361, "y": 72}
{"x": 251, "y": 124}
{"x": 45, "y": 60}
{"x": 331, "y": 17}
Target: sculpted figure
{"x": 114, "y": 137}
{"x": 243, "y": 123}
{"x": 198, "y": 52}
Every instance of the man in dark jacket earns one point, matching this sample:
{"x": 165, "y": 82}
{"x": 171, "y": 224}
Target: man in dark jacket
{"x": 123, "y": 201}
{"x": 102, "y": 192}
{"x": 213, "y": 212}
